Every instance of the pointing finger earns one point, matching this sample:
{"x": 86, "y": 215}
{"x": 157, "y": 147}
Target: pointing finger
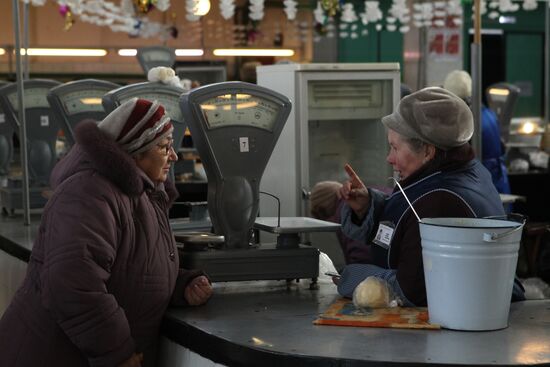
{"x": 355, "y": 180}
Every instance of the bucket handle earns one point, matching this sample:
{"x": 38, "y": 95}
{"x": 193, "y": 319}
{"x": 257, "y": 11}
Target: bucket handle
{"x": 493, "y": 237}
{"x": 406, "y": 198}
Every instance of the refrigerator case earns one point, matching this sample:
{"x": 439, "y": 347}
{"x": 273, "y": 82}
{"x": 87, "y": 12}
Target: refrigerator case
{"x": 335, "y": 119}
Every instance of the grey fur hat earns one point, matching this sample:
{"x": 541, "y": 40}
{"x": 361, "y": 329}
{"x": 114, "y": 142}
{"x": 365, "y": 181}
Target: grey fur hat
{"x": 433, "y": 115}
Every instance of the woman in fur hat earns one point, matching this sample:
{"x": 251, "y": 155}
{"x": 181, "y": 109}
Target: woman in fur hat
{"x": 104, "y": 266}
{"x": 428, "y": 136}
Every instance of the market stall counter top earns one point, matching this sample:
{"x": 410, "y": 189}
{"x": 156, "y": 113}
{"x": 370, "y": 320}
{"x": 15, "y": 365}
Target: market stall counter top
{"x": 270, "y": 324}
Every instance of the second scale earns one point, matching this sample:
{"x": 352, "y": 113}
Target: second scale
{"x": 235, "y": 127}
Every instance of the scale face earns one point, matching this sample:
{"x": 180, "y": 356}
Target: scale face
{"x": 76, "y": 101}
{"x": 34, "y": 98}
{"x": 42, "y": 125}
{"x": 150, "y": 57}
{"x": 235, "y": 126}
{"x": 501, "y": 98}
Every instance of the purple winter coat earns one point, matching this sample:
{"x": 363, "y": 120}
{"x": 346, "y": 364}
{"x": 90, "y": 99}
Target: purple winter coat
{"x": 103, "y": 267}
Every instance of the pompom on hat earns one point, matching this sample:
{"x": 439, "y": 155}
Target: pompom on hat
{"x": 137, "y": 125}
{"x": 435, "y": 116}
{"x": 459, "y": 82}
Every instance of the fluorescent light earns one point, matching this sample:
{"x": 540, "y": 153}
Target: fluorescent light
{"x": 189, "y": 52}
{"x": 127, "y": 52}
{"x": 499, "y": 91}
{"x": 252, "y": 52}
{"x": 65, "y": 52}
{"x": 2, "y": 51}
{"x": 179, "y": 52}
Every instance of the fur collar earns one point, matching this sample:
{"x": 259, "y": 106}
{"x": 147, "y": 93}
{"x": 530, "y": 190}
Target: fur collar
{"x": 108, "y": 158}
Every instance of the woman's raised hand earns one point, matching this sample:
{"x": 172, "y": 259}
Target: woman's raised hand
{"x": 355, "y": 193}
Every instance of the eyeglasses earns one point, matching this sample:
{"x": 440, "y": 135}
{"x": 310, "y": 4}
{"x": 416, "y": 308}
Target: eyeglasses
{"x": 167, "y": 148}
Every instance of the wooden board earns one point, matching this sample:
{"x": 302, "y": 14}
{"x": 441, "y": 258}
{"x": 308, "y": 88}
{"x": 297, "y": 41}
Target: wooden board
{"x": 343, "y": 313}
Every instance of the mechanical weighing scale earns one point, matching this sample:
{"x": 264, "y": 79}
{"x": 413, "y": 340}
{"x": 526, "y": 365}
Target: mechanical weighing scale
{"x": 42, "y": 129}
{"x": 235, "y": 127}
{"x": 153, "y": 56}
{"x": 79, "y": 100}
{"x": 502, "y": 98}
{"x": 6, "y": 144}
{"x": 168, "y": 96}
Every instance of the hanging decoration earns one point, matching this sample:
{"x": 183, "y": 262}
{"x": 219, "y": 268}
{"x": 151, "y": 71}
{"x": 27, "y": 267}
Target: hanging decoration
{"x": 423, "y": 14}
{"x": 290, "y": 9}
{"x": 348, "y": 13}
{"x": 319, "y": 14}
{"x": 143, "y": 7}
{"x": 399, "y": 13}
{"x": 529, "y": 5}
{"x": 227, "y": 8}
{"x": 130, "y": 16}
{"x": 65, "y": 12}
{"x": 372, "y": 15}
{"x": 454, "y": 10}
{"x": 256, "y": 10}
{"x": 331, "y": 7}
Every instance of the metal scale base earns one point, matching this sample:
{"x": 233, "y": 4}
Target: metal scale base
{"x": 11, "y": 197}
{"x": 265, "y": 263}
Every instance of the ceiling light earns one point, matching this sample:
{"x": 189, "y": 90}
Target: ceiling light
{"x": 189, "y": 52}
{"x": 202, "y": 7}
{"x": 127, "y": 52}
{"x": 65, "y": 52}
{"x": 252, "y": 52}
{"x": 2, "y": 51}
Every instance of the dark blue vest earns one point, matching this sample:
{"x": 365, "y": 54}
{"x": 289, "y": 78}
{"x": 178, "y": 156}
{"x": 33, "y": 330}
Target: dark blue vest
{"x": 472, "y": 183}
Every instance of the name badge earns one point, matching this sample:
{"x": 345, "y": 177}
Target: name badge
{"x": 384, "y": 234}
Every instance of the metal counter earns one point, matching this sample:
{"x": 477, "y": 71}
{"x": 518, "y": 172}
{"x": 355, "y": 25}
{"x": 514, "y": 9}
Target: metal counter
{"x": 266, "y": 323}
{"x": 270, "y": 325}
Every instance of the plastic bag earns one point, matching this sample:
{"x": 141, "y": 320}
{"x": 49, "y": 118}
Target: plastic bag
{"x": 325, "y": 266}
{"x": 374, "y": 292}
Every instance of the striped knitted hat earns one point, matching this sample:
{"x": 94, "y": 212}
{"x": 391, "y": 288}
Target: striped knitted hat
{"x": 137, "y": 125}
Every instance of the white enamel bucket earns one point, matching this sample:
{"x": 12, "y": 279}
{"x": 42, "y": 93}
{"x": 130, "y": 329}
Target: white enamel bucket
{"x": 469, "y": 268}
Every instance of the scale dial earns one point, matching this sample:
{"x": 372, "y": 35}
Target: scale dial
{"x": 240, "y": 109}
{"x": 33, "y": 97}
{"x": 88, "y": 100}
{"x": 169, "y": 102}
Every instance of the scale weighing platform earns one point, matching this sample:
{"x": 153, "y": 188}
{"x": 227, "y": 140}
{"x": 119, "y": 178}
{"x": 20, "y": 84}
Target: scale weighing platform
{"x": 235, "y": 127}
{"x": 168, "y": 96}
{"x": 42, "y": 128}
{"x": 79, "y": 100}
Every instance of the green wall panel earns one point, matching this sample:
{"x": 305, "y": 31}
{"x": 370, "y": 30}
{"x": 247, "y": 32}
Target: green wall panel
{"x": 523, "y": 53}
{"x": 376, "y": 46}
{"x": 524, "y": 67}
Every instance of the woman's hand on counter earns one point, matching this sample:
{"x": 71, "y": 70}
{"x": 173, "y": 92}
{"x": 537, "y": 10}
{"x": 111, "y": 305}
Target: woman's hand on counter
{"x": 134, "y": 361}
{"x": 198, "y": 291}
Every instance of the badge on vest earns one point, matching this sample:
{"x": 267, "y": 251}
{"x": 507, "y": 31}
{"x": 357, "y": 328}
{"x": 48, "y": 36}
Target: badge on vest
{"x": 384, "y": 234}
